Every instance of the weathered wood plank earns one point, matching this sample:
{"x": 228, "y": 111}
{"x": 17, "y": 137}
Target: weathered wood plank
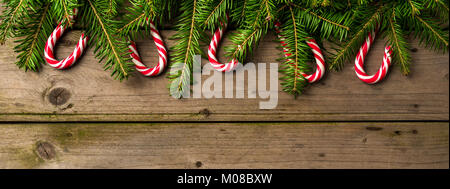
{"x": 225, "y": 145}
{"x": 92, "y": 95}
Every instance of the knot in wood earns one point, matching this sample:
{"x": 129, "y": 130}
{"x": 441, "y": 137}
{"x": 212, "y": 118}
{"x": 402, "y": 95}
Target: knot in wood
{"x": 59, "y": 96}
{"x": 45, "y": 150}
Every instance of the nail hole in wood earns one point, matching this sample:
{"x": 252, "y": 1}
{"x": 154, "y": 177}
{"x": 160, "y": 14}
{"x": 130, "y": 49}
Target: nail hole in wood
{"x": 198, "y": 164}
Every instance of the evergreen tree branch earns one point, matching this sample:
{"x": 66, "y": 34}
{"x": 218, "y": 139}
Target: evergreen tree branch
{"x": 15, "y": 11}
{"x": 351, "y": 47}
{"x": 140, "y": 12}
{"x": 268, "y": 9}
{"x": 431, "y": 34}
{"x": 211, "y": 13}
{"x": 326, "y": 20}
{"x": 443, "y": 4}
{"x": 189, "y": 36}
{"x": 243, "y": 41}
{"x": 243, "y": 9}
{"x": 253, "y": 28}
{"x": 133, "y": 24}
{"x": 438, "y": 8}
{"x": 399, "y": 44}
{"x": 107, "y": 45}
{"x": 208, "y": 19}
{"x": 33, "y": 37}
{"x": 111, "y": 10}
{"x": 292, "y": 66}
{"x": 63, "y": 10}
{"x": 66, "y": 11}
{"x": 414, "y": 9}
{"x": 264, "y": 10}
{"x": 296, "y": 72}
{"x": 239, "y": 11}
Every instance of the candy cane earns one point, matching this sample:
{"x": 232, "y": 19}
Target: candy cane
{"x": 320, "y": 61}
{"x": 161, "y": 51}
{"x": 212, "y": 52}
{"x": 359, "y": 62}
{"x": 51, "y": 41}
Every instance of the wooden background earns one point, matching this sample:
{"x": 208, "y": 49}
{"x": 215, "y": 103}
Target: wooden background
{"x": 82, "y": 118}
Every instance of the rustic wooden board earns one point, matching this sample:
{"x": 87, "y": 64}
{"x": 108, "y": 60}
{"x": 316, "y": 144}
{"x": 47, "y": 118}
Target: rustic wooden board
{"x": 90, "y": 94}
{"x": 225, "y": 145}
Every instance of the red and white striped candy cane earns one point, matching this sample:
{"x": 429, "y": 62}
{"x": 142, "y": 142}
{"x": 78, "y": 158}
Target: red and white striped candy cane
{"x": 359, "y": 62}
{"x": 318, "y": 55}
{"x": 212, "y": 51}
{"x": 51, "y": 41}
{"x": 144, "y": 70}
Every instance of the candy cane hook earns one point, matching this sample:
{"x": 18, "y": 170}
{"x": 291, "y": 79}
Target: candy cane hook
{"x": 318, "y": 56}
{"x": 212, "y": 51}
{"x": 359, "y": 62}
{"x": 136, "y": 59}
{"x": 73, "y": 57}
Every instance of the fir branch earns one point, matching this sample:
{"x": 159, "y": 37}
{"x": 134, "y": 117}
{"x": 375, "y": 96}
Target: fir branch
{"x": 351, "y": 47}
{"x": 326, "y": 3}
{"x": 108, "y": 8}
{"x": 133, "y": 24}
{"x": 33, "y": 36}
{"x": 326, "y": 23}
{"x": 108, "y": 46}
{"x": 211, "y": 13}
{"x": 398, "y": 43}
{"x": 326, "y": 20}
{"x": 430, "y": 33}
{"x": 66, "y": 12}
{"x": 268, "y": 9}
{"x": 296, "y": 72}
{"x": 253, "y": 28}
{"x": 189, "y": 36}
{"x": 292, "y": 66}
{"x": 407, "y": 8}
{"x": 443, "y": 4}
{"x": 135, "y": 21}
{"x": 169, "y": 9}
{"x": 63, "y": 10}
{"x": 414, "y": 7}
{"x": 111, "y": 9}
{"x": 264, "y": 5}
{"x": 243, "y": 42}
{"x": 15, "y": 12}
{"x": 244, "y": 6}
{"x": 438, "y": 8}
{"x": 239, "y": 11}
{"x": 259, "y": 14}
{"x": 254, "y": 25}
{"x": 135, "y": 18}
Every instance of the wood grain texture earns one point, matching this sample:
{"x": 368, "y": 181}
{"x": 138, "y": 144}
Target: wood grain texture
{"x": 225, "y": 145}
{"x": 90, "y": 94}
